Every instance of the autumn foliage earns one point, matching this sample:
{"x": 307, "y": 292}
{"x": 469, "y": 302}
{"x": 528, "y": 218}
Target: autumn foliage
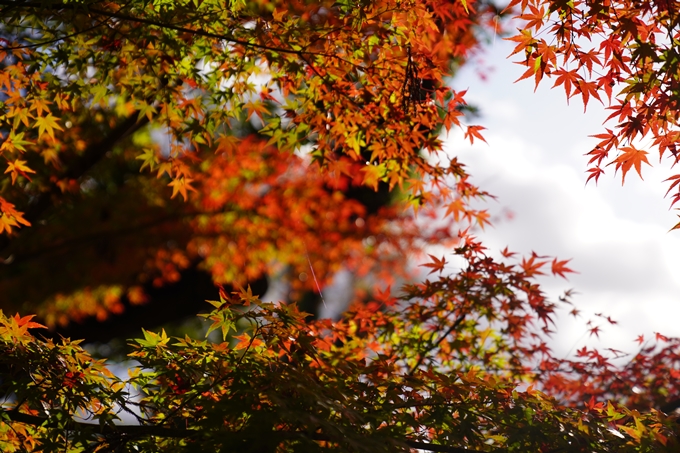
{"x": 273, "y": 124}
{"x": 621, "y": 53}
{"x": 154, "y": 146}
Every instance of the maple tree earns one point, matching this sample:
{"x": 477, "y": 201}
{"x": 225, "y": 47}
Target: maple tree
{"x": 236, "y": 96}
{"x": 171, "y": 150}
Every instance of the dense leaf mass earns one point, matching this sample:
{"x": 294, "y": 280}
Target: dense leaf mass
{"x": 241, "y": 135}
{"x": 163, "y": 149}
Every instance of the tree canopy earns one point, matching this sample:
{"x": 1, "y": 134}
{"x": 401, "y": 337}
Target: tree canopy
{"x": 160, "y": 153}
{"x": 243, "y": 135}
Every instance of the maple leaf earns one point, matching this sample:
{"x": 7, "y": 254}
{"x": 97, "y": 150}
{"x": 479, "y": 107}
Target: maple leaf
{"x": 593, "y": 405}
{"x": 10, "y": 217}
{"x": 595, "y": 173}
{"x": 631, "y": 157}
{"x": 525, "y": 41}
{"x": 15, "y": 141}
{"x": 164, "y": 168}
{"x": 181, "y": 185}
{"x": 40, "y": 105}
{"x": 595, "y": 330}
{"x": 660, "y": 337}
{"x": 18, "y": 167}
{"x": 560, "y": 268}
{"x": 567, "y": 78}
{"x": 47, "y": 124}
{"x": 245, "y": 341}
{"x": 384, "y": 296}
{"x": 145, "y": 110}
{"x": 355, "y": 140}
{"x": 437, "y": 265}
{"x": 482, "y": 218}
{"x": 373, "y": 174}
{"x": 149, "y": 159}
{"x": 674, "y": 184}
{"x": 507, "y": 253}
{"x": 587, "y": 89}
{"x": 589, "y": 58}
{"x": 472, "y": 132}
{"x": 265, "y": 95}
{"x": 279, "y": 14}
{"x": 257, "y": 108}
{"x": 532, "y": 266}
{"x": 227, "y": 144}
{"x": 535, "y": 18}
{"x": 25, "y": 322}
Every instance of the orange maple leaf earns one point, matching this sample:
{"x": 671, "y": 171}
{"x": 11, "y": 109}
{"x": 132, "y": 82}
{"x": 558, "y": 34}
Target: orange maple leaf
{"x": 532, "y": 266}
{"x": 26, "y": 322}
{"x": 18, "y": 167}
{"x": 560, "y": 268}
{"x": 245, "y": 341}
{"x": 473, "y": 132}
{"x": 227, "y": 144}
{"x": 631, "y": 157}
{"x": 181, "y": 185}
{"x": 10, "y": 217}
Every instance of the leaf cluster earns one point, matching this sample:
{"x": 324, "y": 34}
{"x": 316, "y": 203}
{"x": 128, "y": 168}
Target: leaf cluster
{"x": 621, "y": 52}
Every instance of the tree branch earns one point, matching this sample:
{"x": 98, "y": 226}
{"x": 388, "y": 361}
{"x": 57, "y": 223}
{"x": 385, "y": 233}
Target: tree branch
{"x": 141, "y": 20}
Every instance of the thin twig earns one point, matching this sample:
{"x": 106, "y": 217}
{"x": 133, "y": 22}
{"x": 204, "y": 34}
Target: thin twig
{"x": 434, "y": 345}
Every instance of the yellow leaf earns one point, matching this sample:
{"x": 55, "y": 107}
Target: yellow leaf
{"x": 149, "y": 159}
{"x": 47, "y": 124}
{"x": 373, "y": 174}
{"x": 18, "y": 167}
{"x": 355, "y": 141}
{"x": 20, "y": 115}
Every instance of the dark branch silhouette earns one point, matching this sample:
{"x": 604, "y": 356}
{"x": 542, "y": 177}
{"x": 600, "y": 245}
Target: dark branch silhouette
{"x": 136, "y": 431}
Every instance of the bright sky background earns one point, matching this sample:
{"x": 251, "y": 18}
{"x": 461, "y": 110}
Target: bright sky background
{"x": 617, "y": 237}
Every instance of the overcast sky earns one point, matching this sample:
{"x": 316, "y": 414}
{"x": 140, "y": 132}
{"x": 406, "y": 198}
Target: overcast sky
{"x": 617, "y": 237}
